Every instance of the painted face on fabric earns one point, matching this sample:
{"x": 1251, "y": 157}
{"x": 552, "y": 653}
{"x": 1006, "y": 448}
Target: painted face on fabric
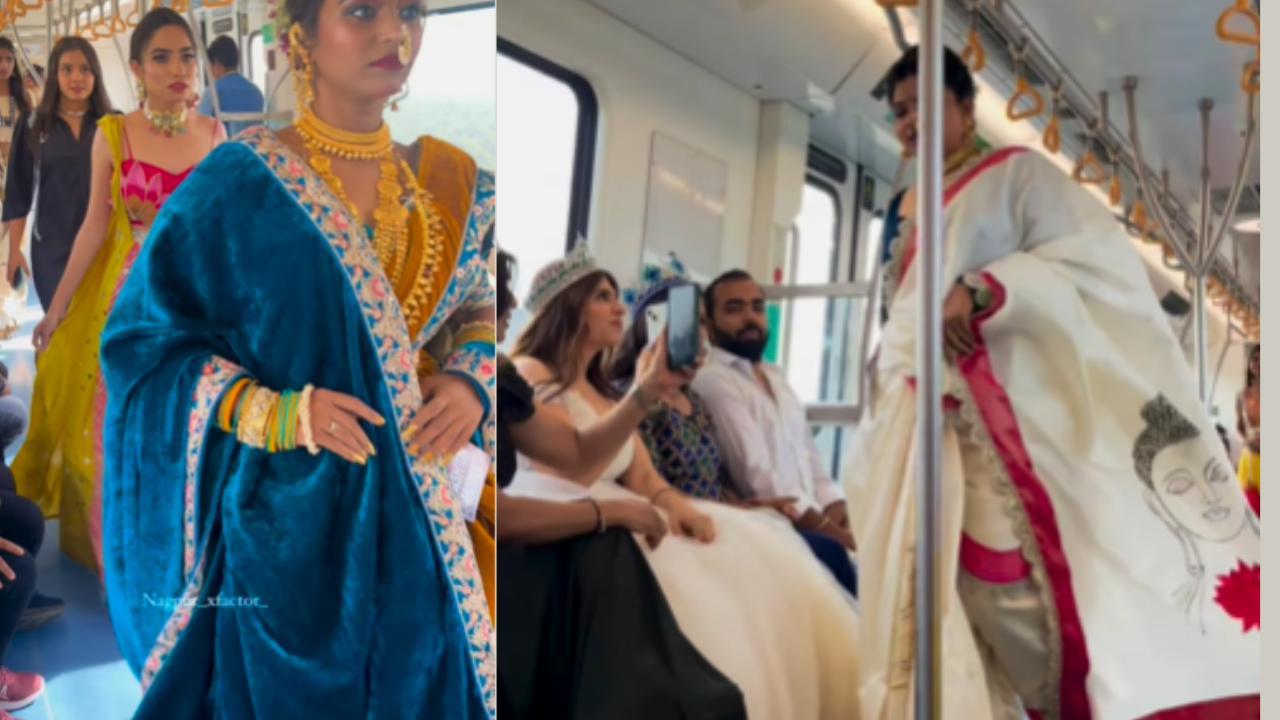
{"x": 1198, "y": 492}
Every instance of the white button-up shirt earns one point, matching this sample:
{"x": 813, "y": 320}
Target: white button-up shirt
{"x": 764, "y": 441}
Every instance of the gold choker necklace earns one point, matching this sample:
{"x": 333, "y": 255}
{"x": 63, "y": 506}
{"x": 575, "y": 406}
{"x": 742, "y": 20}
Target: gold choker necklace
{"x": 960, "y": 158}
{"x": 168, "y": 124}
{"x": 405, "y": 236}
{"x": 341, "y": 143}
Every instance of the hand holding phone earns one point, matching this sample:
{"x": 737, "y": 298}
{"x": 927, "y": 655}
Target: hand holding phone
{"x": 684, "y": 339}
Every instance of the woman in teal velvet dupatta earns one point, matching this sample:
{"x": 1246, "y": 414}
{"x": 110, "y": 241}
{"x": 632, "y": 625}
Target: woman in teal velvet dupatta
{"x": 249, "y": 585}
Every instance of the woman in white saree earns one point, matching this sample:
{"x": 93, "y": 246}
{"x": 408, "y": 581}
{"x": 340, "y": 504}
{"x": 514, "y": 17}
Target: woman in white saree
{"x": 744, "y": 588}
{"x": 1101, "y": 564}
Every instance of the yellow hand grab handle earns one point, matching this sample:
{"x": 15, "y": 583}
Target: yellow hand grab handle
{"x": 1116, "y": 193}
{"x": 118, "y": 25}
{"x": 1214, "y": 289}
{"x": 218, "y": 3}
{"x": 1138, "y": 216}
{"x": 133, "y": 18}
{"x": 1242, "y": 10}
{"x": 1251, "y": 78}
{"x": 1024, "y": 92}
{"x": 974, "y": 55}
{"x": 1052, "y": 135}
{"x": 1088, "y": 171}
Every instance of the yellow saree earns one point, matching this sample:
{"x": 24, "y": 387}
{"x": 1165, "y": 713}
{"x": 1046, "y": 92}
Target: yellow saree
{"x": 57, "y": 464}
{"x": 465, "y": 207}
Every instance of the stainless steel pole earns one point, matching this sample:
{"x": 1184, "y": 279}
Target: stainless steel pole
{"x": 1203, "y": 248}
{"x": 928, "y": 616}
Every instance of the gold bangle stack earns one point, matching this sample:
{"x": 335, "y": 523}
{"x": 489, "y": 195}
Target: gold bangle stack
{"x": 252, "y": 426}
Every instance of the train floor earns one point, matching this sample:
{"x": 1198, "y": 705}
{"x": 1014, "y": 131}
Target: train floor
{"x": 86, "y": 679}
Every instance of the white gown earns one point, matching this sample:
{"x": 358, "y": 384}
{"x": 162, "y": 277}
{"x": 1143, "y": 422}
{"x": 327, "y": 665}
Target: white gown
{"x": 755, "y": 602}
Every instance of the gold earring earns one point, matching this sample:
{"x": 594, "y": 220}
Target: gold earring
{"x": 142, "y": 91}
{"x": 395, "y": 101}
{"x": 301, "y": 65}
{"x": 406, "y": 45}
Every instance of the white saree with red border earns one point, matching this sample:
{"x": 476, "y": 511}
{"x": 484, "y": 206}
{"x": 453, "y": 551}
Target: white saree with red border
{"x": 1100, "y": 562}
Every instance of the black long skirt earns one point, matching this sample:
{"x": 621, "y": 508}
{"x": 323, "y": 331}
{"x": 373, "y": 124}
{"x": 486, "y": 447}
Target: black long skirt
{"x": 588, "y": 635}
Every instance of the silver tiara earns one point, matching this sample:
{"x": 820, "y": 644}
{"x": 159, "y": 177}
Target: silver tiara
{"x": 560, "y": 275}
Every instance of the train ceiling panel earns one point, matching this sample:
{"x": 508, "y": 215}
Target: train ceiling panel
{"x": 799, "y": 51}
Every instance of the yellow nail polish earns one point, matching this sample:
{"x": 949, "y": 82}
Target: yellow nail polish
{"x": 381, "y": 421}
{"x": 413, "y": 450}
{"x": 361, "y": 460}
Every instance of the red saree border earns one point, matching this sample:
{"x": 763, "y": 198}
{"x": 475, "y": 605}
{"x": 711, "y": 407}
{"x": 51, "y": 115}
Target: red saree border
{"x": 955, "y": 188}
{"x": 996, "y": 409}
{"x": 993, "y": 404}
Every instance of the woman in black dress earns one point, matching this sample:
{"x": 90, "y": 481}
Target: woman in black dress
{"x": 52, "y": 153}
{"x": 587, "y": 632}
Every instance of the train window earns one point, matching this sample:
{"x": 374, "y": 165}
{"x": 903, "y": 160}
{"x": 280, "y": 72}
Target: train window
{"x": 257, "y": 61}
{"x": 814, "y": 248}
{"x": 450, "y": 92}
{"x": 548, "y": 148}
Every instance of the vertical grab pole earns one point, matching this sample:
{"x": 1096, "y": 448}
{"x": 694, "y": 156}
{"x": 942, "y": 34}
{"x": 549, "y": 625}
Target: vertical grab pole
{"x": 928, "y": 621}
{"x": 48, "y": 47}
{"x": 1203, "y": 259}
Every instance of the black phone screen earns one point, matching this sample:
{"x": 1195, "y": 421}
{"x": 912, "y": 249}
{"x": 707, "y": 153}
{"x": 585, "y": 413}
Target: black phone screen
{"x": 683, "y": 338}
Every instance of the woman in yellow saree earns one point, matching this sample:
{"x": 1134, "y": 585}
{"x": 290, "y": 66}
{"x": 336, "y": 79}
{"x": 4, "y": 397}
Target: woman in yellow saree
{"x": 460, "y": 188}
{"x": 139, "y": 159}
{"x": 1249, "y": 411}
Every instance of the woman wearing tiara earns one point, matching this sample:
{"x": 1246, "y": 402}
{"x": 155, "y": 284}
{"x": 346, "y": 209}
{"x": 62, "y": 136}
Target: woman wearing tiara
{"x": 752, "y": 600}
{"x": 139, "y": 159}
{"x": 1088, "y": 510}
{"x": 281, "y": 443}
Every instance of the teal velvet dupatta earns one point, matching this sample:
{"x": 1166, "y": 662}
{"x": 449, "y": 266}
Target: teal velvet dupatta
{"x": 246, "y": 585}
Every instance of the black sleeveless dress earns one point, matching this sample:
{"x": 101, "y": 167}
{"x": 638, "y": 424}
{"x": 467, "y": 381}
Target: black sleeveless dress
{"x": 586, "y": 632}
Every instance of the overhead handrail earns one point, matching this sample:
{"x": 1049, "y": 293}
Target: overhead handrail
{"x": 1023, "y": 91}
{"x": 1116, "y": 194}
{"x": 1052, "y": 137}
{"x": 974, "y": 54}
{"x": 897, "y": 3}
{"x": 1088, "y": 171}
{"x": 1242, "y": 10}
{"x": 1251, "y": 77}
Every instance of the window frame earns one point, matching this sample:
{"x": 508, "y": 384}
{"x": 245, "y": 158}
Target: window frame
{"x": 584, "y": 157}
{"x": 247, "y": 60}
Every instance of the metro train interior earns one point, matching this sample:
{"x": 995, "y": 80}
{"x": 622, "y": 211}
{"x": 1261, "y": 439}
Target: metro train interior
{"x": 767, "y": 118}
{"x": 754, "y": 134}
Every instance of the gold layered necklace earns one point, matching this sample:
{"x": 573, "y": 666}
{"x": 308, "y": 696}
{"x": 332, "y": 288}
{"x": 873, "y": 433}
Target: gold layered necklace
{"x": 404, "y": 234}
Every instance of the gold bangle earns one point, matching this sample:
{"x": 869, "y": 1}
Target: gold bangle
{"x": 482, "y": 331}
{"x": 251, "y": 429}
